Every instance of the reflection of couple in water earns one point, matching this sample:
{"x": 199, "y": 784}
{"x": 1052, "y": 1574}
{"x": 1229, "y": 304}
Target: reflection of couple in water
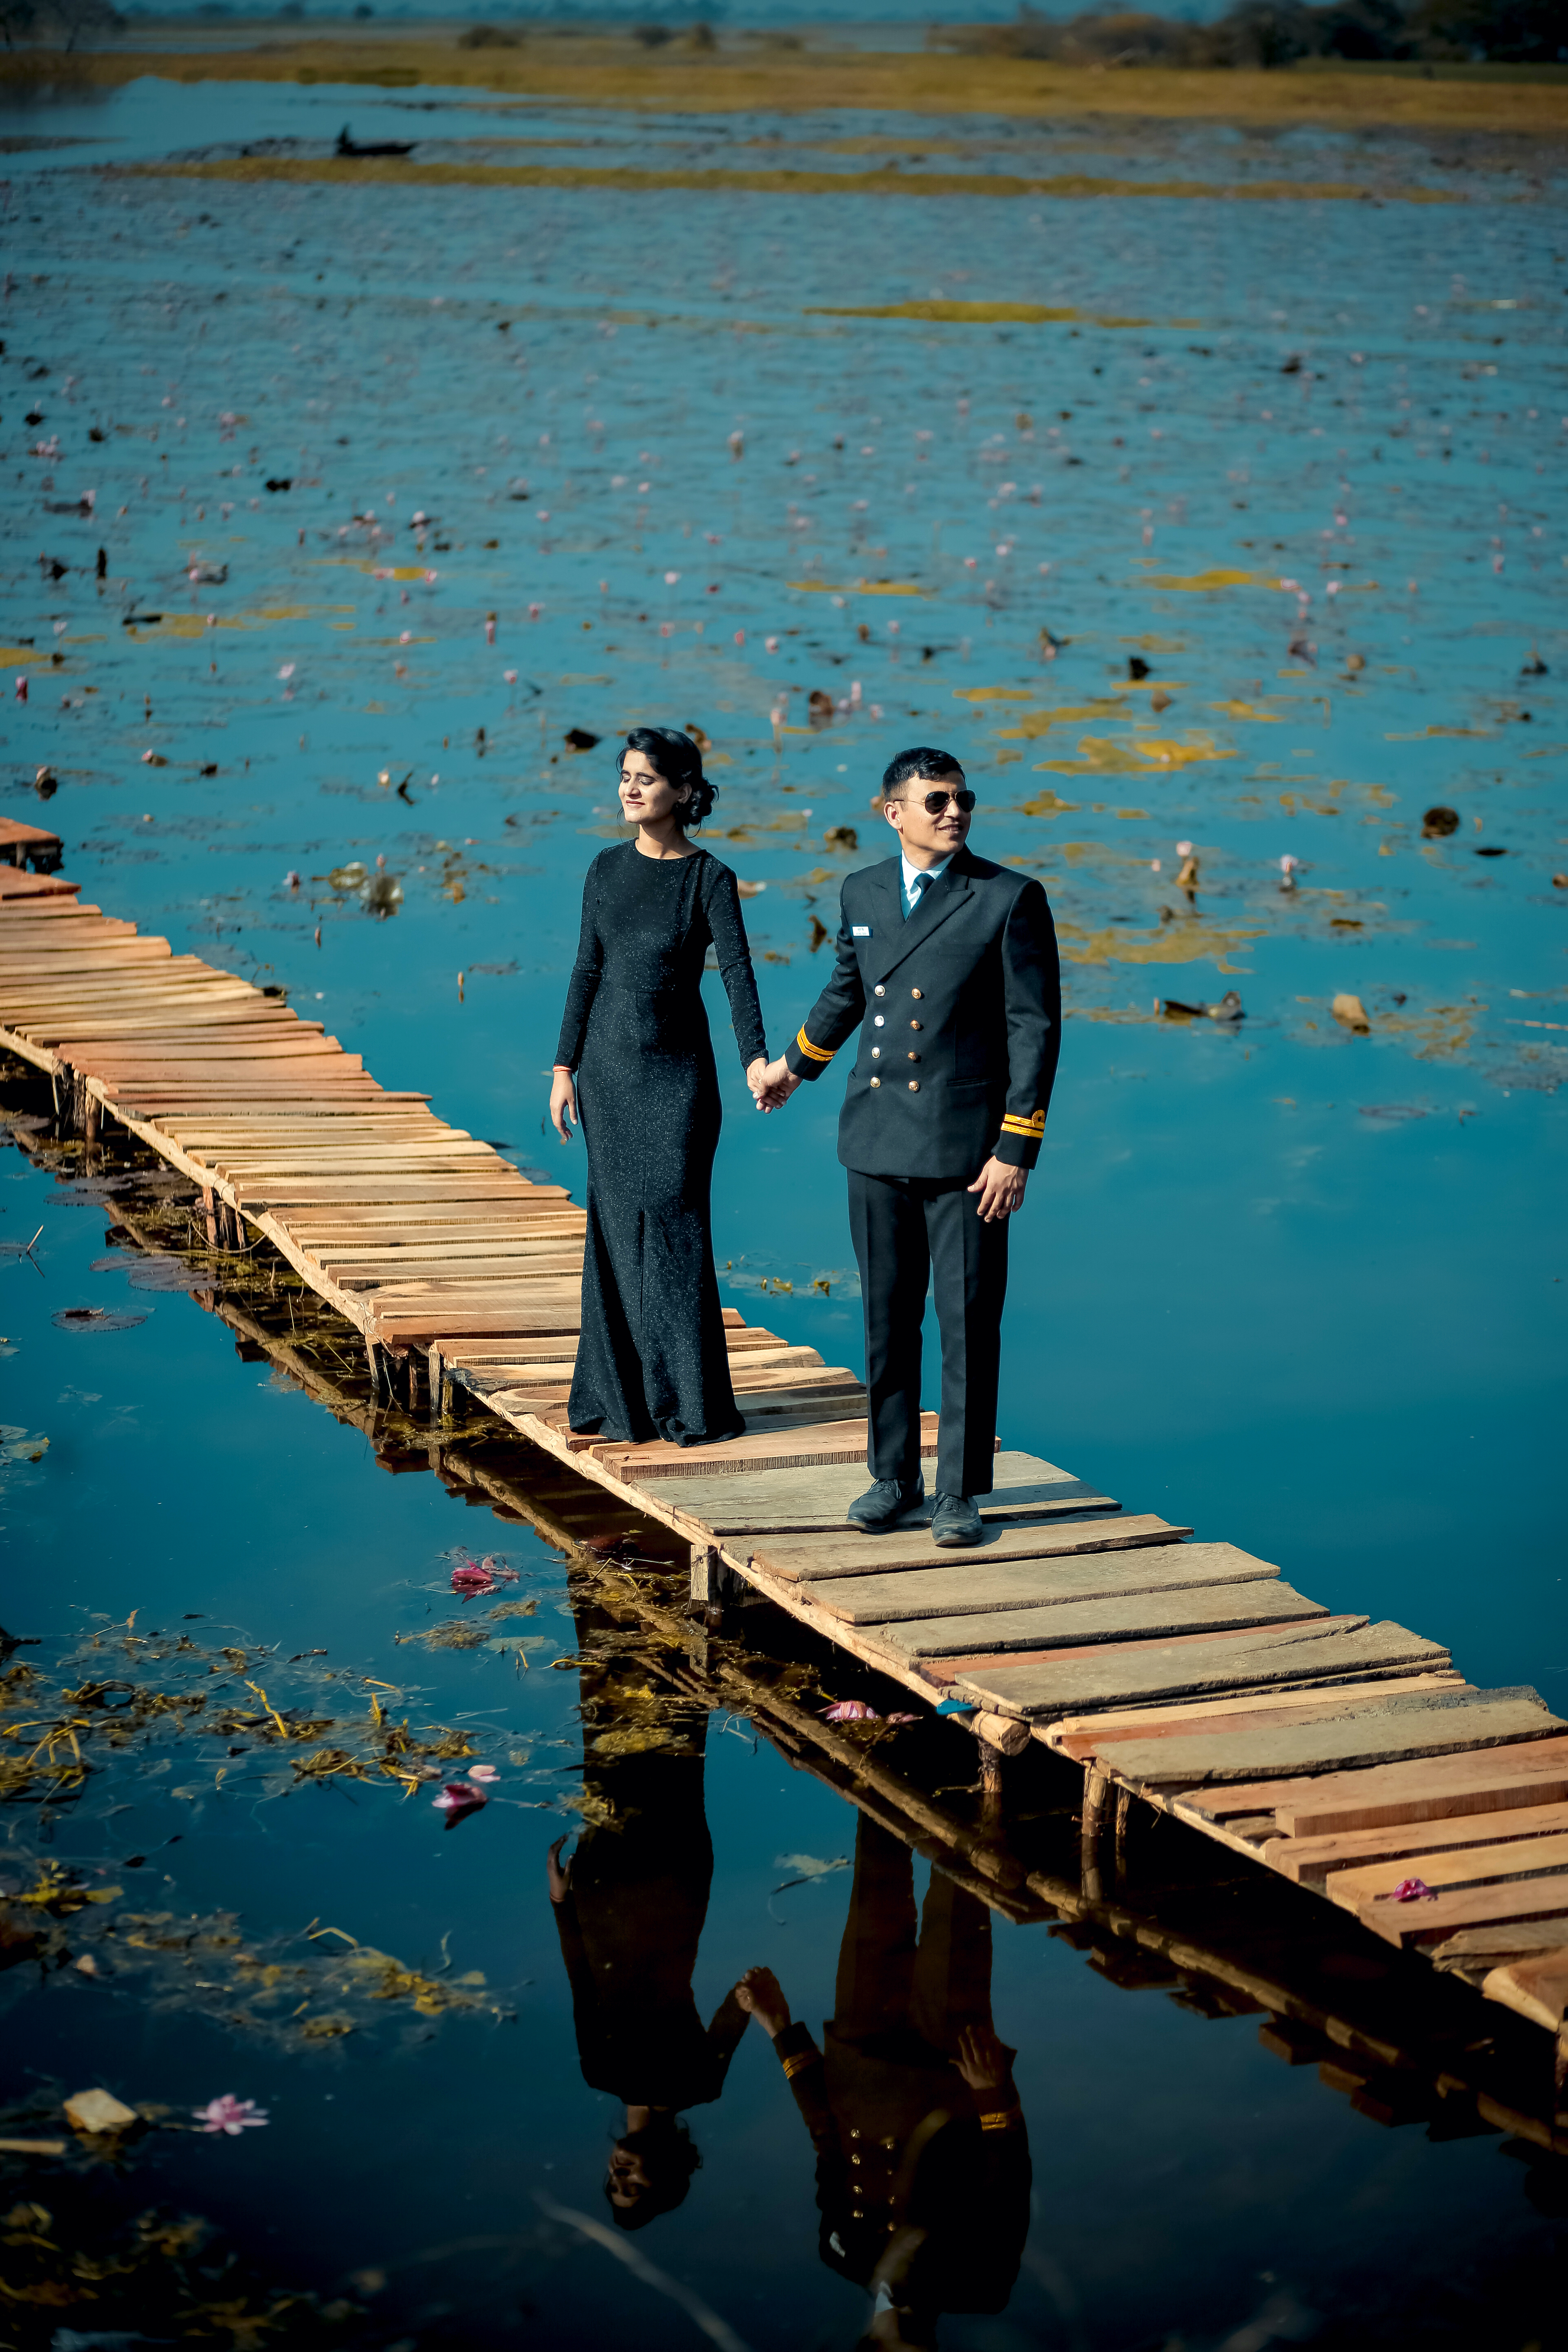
{"x": 947, "y": 965}
{"x": 922, "y": 2160}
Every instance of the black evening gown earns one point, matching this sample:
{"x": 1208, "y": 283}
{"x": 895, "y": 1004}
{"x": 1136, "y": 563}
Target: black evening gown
{"x": 651, "y": 1359}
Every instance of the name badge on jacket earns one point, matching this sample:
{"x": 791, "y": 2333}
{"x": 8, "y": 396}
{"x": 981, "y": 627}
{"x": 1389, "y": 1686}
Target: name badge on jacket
{"x": 860, "y": 931}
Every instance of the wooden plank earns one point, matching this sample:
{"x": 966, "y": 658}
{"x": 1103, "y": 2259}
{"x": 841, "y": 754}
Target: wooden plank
{"x": 1307, "y": 1860}
{"x": 805, "y": 1503}
{"x": 1407, "y": 1924}
{"x": 1397, "y": 1730}
{"x": 1446, "y": 1867}
{"x": 1083, "y": 1736}
{"x": 1032, "y": 1582}
{"x": 1536, "y": 1988}
{"x": 1496, "y": 1777}
{"x": 1111, "y": 1617}
{"x": 1044, "y": 1689}
{"x": 814, "y": 1559}
{"x": 16, "y": 885}
{"x": 801, "y": 1449}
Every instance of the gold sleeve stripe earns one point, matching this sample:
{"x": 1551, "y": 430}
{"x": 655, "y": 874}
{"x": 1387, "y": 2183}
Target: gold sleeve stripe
{"x": 1003, "y": 2120}
{"x": 1015, "y": 1125}
{"x": 814, "y": 1053}
{"x": 798, "y": 2062}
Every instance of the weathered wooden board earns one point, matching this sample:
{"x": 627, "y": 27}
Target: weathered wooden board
{"x": 804, "y": 1502}
{"x": 1397, "y": 1729}
{"x": 1117, "y": 1618}
{"x": 1471, "y": 1907}
{"x": 1307, "y": 1860}
{"x": 978, "y": 1590}
{"x": 1298, "y": 1656}
{"x": 1523, "y": 1769}
{"x": 797, "y": 1449}
{"x": 816, "y": 1558}
{"x": 1536, "y": 1989}
{"x": 1083, "y": 1737}
{"x": 1446, "y": 1867}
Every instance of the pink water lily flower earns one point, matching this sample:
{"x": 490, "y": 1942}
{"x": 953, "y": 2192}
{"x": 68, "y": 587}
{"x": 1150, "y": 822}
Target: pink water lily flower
{"x": 459, "y": 1798}
{"x": 230, "y": 2115}
{"x": 851, "y": 1710}
{"x": 1410, "y": 1890}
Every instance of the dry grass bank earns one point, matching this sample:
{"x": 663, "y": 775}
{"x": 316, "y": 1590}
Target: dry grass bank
{"x": 676, "y": 80}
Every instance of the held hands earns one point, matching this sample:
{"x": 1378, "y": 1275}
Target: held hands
{"x": 1000, "y": 1190}
{"x": 772, "y": 1083}
{"x": 761, "y": 1995}
{"x": 984, "y": 2061}
{"x": 562, "y": 1104}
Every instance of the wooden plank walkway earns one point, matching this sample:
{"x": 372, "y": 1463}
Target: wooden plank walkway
{"x": 1349, "y": 1758}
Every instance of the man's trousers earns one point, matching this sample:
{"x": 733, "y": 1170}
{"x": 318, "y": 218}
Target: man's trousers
{"x": 911, "y": 1233}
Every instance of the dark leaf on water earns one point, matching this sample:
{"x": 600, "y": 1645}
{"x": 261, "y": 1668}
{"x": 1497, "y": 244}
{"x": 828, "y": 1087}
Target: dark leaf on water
{"x": 579, "y": 740}
{"x": 1438, "y": 823}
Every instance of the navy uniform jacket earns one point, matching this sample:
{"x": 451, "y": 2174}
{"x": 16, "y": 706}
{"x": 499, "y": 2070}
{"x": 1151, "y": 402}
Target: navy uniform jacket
{"x": 959, "y": 1009}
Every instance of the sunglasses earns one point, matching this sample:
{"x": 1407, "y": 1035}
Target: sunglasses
{"x": 934, "y": 803}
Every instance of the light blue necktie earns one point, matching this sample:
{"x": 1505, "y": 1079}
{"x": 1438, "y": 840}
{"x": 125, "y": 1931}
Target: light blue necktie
{"x": 914, "y": 894}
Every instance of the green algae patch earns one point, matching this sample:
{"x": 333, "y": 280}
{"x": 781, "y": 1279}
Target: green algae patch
{"x": 1187, "y": 939}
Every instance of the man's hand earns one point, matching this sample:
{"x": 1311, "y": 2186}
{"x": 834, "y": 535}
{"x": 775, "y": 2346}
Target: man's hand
{"x": 761, "y": 1995}
{"x": 774, "y": 1088}
{"x": 560, "y": 1879}
{"x": 984, "y": 2061}
{"x": 1000, "y": 1190}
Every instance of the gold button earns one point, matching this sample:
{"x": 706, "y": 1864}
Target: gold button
{"x": 914, "y": 992}
{"x": 854, "y": 2132}
{"x": 914, "y": 1057}
{"x": 917, "y": 1024}
{"x": 853, "y": 2160}
{"x": 881, "y": 991}
{"x": 876, "y": 1053}
{"x": 914, "y": 1086}
{"x": 876, "y": 1082}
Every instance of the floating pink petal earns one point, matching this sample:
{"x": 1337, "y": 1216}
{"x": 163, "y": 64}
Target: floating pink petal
{"x": 851, "y": 1710}
{"x": 457, "y": 1797}
{"x": 230, "y": 2115}
{"x": 472, "y": 1577}
{"x": 483, "y": 1772}
{"x": 1410, "y": 1890}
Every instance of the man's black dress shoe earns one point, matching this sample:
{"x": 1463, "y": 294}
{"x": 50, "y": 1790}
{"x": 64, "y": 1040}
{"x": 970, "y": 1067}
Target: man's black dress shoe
{"x": 955, "y": 1521}
{"x": 882, "y": 1506}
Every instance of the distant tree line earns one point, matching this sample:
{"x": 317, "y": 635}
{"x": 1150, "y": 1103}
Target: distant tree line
{"x": 62, "y": 23}
{"x": 1270, "y": 33}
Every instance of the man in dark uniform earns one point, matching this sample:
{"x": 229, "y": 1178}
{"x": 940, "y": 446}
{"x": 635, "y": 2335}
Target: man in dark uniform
{"x": 947, "y": 964}
{"x": 923, "y": 2157}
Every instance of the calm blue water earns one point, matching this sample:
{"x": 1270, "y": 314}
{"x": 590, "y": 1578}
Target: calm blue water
{"x": 1298, "y": 1285}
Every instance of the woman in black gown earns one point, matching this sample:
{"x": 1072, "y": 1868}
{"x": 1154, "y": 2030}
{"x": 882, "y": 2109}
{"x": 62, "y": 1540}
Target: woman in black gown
{"x": 635, "y": 1065}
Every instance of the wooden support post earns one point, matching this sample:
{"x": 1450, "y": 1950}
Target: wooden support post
{"x": 437, "y": 1371}
{"x": 1123, "y": 1807}
{"x": 376, "y": 1358}
{"x": 89, "y": 1124}
{"x": 209, "y": 1208}
{"x": 1561, "y": 2078}
{"x": 707, "y": 1582}
{"x": 1095, "y": 1792}
{"x": 413, "y": 1381}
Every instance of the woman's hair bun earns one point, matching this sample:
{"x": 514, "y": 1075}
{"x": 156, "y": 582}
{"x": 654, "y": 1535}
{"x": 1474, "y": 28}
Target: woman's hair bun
{"x": 679, "y": 763}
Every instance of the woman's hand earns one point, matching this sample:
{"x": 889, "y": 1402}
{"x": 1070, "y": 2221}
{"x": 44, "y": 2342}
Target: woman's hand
{"x": 560, "y": 1879}
{"x": 757, "y": 1074}
{"x": 562, "y": 1104}
{"x": 761, "y": 1995}
{"x": 775, "y": 1086}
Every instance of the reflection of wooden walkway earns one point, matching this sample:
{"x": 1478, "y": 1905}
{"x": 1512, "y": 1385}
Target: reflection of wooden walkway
{"x": 1350, "y": 1758}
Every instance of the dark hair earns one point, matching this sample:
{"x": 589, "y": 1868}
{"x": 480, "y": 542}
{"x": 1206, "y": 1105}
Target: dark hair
{"x": 669, "y": 2154}
{"x": 679, "y": 763}
{"x": 923, "y": 760}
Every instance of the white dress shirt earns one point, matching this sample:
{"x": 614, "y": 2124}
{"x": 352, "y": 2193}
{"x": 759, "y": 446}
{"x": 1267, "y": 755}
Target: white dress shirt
{"x": 922, "y": 875}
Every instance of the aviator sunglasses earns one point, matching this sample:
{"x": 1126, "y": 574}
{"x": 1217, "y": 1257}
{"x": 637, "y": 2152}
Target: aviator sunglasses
{"x": 934, "y": 803}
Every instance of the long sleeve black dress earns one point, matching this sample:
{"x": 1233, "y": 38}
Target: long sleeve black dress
{"x": 651, "y": 1359}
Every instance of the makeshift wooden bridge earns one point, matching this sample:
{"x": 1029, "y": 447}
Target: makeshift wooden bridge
{"x": 1350, "y": 1758}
